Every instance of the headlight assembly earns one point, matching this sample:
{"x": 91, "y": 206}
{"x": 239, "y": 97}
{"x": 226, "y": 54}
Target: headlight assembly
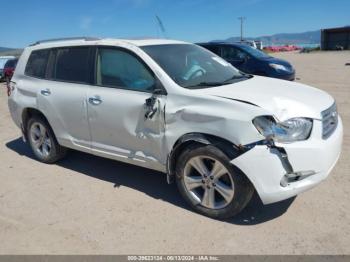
{"x": 291, "y": 130}
{"x": 279, "y": 67}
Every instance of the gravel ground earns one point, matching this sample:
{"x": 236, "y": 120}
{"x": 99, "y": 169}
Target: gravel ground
{"x": 90, "y": 205}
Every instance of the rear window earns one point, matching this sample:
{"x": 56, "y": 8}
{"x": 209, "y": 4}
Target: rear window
{"x": 11, "y": 63}
{"x": 72, "y": 65}
{"x": 37, "y": 63}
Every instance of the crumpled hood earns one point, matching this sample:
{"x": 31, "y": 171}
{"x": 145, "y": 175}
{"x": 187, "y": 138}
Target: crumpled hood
{"x": 283, "y": 99}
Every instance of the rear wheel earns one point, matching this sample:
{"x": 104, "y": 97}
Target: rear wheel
{"x": 43, "y": 141}
{"x": 210, "y": 184}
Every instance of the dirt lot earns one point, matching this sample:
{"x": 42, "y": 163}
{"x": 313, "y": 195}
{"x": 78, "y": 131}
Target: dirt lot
{"x": 90, "y": 205}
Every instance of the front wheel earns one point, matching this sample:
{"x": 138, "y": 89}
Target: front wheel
{"x": 210, "y": 184}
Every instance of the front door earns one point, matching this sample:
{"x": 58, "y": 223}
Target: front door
{"x": 235, "y": 57}
{"x": 117, "y": 109}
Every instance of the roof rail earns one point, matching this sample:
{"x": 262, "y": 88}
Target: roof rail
{"x": 65, "y": 39}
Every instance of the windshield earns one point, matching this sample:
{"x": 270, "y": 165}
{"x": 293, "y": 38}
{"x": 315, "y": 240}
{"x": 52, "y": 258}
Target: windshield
{"x": 191, "y": 66}
{"x": 254, "y": 52}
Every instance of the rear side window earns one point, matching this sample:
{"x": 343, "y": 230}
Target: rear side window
{"x": 72, "y": 65}
{"x": 37, "y": 62}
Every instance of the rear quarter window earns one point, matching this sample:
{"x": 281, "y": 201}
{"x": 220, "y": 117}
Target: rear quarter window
{"x": 37, "y": 62}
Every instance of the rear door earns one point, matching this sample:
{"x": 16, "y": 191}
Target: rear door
{"x": 63, "y": 92}
{"x": 117, "y": 109}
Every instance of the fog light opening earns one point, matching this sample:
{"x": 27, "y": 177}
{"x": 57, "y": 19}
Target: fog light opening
{"x": 295, "y": 176}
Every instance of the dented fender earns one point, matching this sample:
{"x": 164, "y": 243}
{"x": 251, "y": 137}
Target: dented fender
{"x": 208, "y": 120}
{"x": 227, "y": 119}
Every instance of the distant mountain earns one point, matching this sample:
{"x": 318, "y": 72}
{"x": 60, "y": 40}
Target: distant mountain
{"x": 311, "y": 37}
{"x": 2, "y": 49}
{"x": 10, "y": 51}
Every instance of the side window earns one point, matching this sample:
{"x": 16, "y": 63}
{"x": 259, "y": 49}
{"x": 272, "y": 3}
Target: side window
{"x": 72, "y": 65}
{"x": 231, "y": 54}
{"x": 214, "y": 49}
{"x": 117, "y": 68}
{"x": 241, "y": 55}
{"x": 37, "y": 62}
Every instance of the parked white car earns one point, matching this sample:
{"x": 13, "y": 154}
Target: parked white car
{"x": 177, "y": 108}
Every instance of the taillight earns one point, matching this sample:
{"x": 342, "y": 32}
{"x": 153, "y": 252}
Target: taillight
{"x": 10, "y": 87}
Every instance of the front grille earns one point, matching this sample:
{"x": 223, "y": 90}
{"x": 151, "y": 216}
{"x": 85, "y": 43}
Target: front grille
{"x": 329, "y": 121}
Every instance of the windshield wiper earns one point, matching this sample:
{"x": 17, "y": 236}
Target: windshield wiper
{"x": 208, "y": 84}
{"x": 234, "y": 78}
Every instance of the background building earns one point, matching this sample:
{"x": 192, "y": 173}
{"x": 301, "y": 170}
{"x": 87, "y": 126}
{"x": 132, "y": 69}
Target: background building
{"x": 335, "y": 38}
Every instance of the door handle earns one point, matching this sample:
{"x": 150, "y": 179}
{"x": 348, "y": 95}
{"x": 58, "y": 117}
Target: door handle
{"x": 95, "y": 100}
{"x": 45, "y": 92}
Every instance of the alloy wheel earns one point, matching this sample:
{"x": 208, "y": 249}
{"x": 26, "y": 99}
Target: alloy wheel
{"x": 208, "y": 182}
{"x": 40, "y": 140}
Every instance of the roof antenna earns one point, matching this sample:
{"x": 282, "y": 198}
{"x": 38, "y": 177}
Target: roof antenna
{"x": 161, "y": 28}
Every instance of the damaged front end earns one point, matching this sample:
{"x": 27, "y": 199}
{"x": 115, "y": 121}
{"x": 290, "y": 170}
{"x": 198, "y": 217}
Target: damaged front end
{"x": 282, "y": 170}
{"x": 277, "y": 170}
{"x": 281, "y": 158}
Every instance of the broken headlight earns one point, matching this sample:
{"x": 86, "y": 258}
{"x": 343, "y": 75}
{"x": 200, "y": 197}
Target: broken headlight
{"x": 294, "y": 129}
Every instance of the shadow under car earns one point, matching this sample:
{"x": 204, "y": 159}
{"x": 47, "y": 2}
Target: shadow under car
{"x": 150, "y": 182}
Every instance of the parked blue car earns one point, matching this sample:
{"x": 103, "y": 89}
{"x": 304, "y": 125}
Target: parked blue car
{"x": 252, "y": 61}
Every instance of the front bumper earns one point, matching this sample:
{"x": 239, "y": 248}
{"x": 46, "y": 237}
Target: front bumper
{"x": 265, "y": 166}
{"x": 287, "y": 76}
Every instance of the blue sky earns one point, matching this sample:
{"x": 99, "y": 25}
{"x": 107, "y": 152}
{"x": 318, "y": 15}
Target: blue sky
{"x": 26, "y": 21}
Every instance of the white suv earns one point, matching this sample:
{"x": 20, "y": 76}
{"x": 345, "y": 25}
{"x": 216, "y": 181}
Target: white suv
{"x": 177, "y": 108}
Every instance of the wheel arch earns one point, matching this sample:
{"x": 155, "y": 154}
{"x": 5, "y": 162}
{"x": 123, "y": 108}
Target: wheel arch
{"x": 27, "y": 114}
{"x": 229, "y": 148}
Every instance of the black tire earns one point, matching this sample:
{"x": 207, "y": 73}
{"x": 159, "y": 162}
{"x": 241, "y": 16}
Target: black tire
{"x": 56, "y": 151}
{"x": 243, "y": 189}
